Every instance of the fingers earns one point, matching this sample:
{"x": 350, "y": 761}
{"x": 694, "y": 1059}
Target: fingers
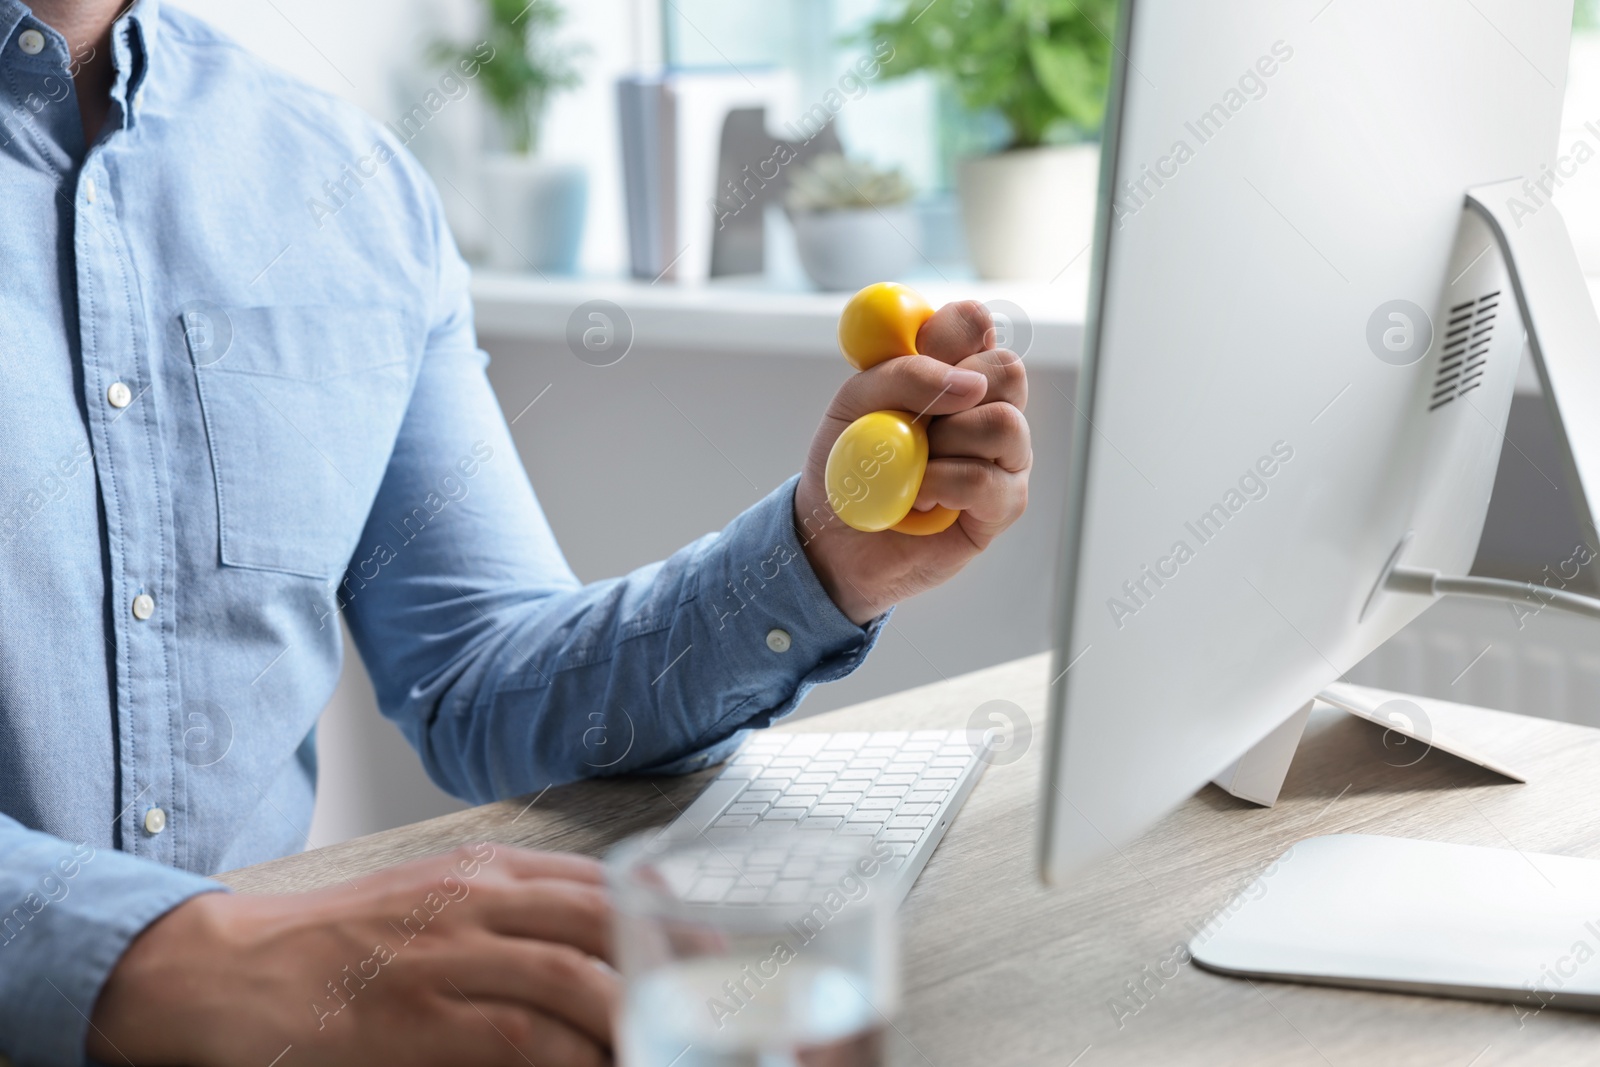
{"x": 559, "y": 982}
{"x": 956, "y": 331}
{"x": 527, "y": 863}
{"x": 918, "y": 384}
{"x": 992, "y": 496}
{"x": 995, "y": 432}
{"x": 515, "y": 1036}
{"x": 1003, "y": 371}
{"x": 551, "y": 909}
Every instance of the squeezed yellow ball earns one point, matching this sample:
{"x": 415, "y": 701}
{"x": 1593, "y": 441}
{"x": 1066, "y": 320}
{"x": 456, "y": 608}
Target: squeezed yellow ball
{"x": 876, "y": 466}
{"x": 875, "y": 469}
{"x": 881, "y": 322}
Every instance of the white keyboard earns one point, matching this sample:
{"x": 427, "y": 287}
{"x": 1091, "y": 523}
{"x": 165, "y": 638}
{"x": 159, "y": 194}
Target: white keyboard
{"x": 900, "y": 788}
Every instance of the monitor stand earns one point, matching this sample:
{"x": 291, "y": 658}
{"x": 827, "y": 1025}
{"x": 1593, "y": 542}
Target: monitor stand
{"x": 1423, "y": 916}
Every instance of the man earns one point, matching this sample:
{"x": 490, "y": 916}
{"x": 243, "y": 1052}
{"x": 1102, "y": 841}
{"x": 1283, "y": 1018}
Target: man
{"x": 226, "y": 421}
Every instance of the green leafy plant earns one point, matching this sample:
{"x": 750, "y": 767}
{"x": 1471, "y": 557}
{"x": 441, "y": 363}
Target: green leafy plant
{"x": 527, "y": 66}
{"x": 830, "y": 182}
{"x": 1042, "y": 64}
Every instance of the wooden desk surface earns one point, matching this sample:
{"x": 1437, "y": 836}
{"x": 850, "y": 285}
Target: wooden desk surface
{"x": 1000, "y": 971}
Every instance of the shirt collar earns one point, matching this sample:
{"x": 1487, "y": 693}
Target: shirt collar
{"x": 133, "y": 38}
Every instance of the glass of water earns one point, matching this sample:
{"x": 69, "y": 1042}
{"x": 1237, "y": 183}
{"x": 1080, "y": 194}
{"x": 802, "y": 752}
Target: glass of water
{"x": 764, "y": 949}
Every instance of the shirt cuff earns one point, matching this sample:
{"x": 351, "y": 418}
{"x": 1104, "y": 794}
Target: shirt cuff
{"x": 775, "y": 622}
{"x": 67, "y": 936}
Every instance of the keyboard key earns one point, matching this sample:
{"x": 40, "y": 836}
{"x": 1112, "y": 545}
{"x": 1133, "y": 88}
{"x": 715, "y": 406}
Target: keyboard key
{"x": 791, "y": 892}
{"x": 952, "y": 761}
{"x": 746, "y": 809}
{"x": 897, "y": 779}
{"x": 735, "y": 820}
{"x": 900, "y": 835}
{"x": 809, "y": 778}
{"x": 760, "y": 878}
{"x": 825, "y": 809}
{"x": 879, "y": 804}
{"x": 869, "y": 764}
{"x": 779, "y": 784}
{"x": 847, "y": 741}
{"x": 910, "y": 822}
{"x": 888, "y": 791}
{"x": 799, "y": 868}
{"x": 926, "y": 796}
{"x": 774, "y": 815}
{"x": 807, "y": 789}
{"x": 816, "y": 823}
{"x": 941, "y": 772}
{"x": 840, "y": 798}
{"x": 861, "y": 829}
{"x": 710, "y": 890}
{"x": 890, "y": 737}
{"x": 745, "y": 895}
{"x": 759, "y": 796}
{"x": 767, "y": 857}
{"x": 824, "y": 765}
{"x": 858, "y": 774}
{"x": 911, "y": 809}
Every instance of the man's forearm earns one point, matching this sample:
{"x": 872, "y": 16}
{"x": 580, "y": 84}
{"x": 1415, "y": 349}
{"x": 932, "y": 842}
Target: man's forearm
{"x": 645, "y": 672}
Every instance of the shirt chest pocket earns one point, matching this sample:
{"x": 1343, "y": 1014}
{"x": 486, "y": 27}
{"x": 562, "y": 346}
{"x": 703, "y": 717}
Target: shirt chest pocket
{"x": 302, "y": 406}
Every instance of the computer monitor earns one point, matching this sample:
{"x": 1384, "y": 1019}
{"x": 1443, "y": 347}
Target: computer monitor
{"x": 1299, "y": 360}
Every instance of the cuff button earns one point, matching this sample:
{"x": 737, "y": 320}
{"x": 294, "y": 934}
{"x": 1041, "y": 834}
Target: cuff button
{"x": 778, "y": 640}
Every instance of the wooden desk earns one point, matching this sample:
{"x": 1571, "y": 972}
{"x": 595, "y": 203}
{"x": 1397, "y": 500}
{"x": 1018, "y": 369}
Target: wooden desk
{"x": 999, "y": 971}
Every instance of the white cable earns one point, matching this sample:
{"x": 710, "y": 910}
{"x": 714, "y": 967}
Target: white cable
{"x": 1432, "y": 583}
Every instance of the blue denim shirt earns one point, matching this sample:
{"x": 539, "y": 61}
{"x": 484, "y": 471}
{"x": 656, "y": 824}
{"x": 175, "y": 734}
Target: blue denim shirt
{"x": 241, "y": 398}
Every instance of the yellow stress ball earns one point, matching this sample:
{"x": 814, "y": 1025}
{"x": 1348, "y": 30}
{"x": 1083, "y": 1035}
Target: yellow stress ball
{"x": 876, "y": 466}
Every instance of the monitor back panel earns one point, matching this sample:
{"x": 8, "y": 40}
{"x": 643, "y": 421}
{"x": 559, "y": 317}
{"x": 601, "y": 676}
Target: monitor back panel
{"x": 1259, "y": 431}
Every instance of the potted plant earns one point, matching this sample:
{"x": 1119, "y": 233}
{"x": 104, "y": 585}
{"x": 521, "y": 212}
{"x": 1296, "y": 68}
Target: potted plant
{"x": 535, "y": 208}
{"x": 853, "y": 223}
{"x": 1043, "y": 66}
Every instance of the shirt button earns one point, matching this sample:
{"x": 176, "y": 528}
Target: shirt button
{"x": 144, "y": 606}
{"x": 31, "y": 42}
{"x": 119, "y": 395}
{"x": 155, "y": 821}
{"x": 778, "y": 640}
{"x": 88, "y": 189}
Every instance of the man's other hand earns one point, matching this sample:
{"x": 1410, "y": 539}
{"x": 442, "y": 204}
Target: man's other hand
{"x": 484, "y": 955}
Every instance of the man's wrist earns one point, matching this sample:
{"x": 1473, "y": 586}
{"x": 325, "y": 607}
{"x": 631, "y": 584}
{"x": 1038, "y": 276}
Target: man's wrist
{"x": 154, "y": 1006}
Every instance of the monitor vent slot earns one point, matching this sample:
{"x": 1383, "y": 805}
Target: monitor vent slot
{"x": 1466, "y": 349}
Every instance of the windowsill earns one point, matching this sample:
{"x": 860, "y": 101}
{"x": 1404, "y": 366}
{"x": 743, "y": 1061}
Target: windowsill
{"x": 746, "y": 315}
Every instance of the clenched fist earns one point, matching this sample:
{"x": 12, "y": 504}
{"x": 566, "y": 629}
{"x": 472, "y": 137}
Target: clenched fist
{"x": 979, "y": 456}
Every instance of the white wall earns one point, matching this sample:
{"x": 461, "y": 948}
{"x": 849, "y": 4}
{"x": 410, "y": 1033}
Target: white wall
{"x": 370, "y": 52}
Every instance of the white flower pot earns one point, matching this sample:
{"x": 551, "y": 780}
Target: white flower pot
{"x": 851, "y": 248}
{"x": 535, "y": 211}
{"x": 1029, "y": 212}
